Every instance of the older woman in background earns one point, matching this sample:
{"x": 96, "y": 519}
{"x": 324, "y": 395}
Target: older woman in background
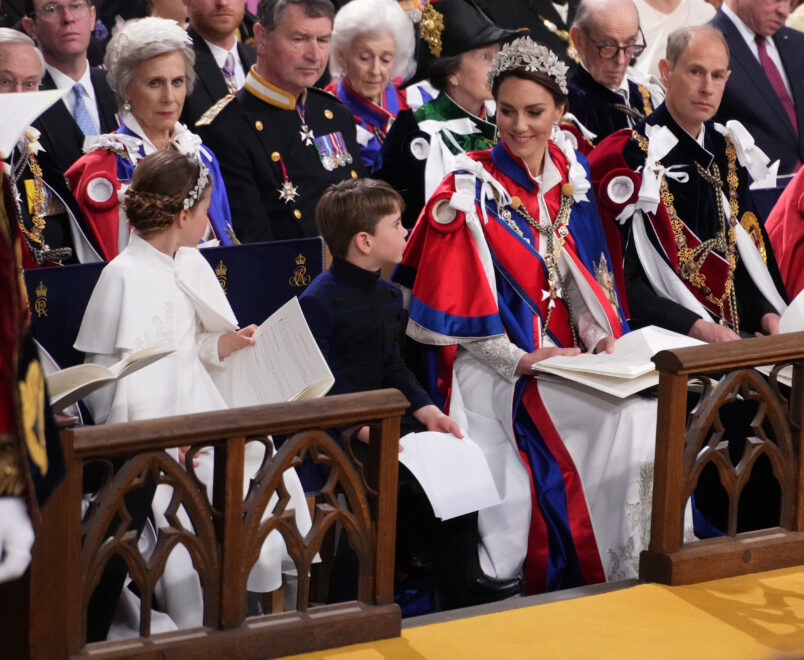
{"x": 372, "y": 45}
{"x": 150, "y": 63}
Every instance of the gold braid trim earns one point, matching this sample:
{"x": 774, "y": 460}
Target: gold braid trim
{"x": 689, "y": 260}
{"x": 646, "y": 104}
{"x": 11, "y": 475}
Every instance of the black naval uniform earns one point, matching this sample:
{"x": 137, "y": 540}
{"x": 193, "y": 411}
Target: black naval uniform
{"x": 274, "y": 174}
{"x": 602, "y": 110}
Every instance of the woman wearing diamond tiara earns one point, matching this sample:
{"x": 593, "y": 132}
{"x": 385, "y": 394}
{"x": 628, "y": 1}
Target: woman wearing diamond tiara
{"x": 520, "y": 225}
{"x": 161, "y": 291}
{"x": 150, "y": 63}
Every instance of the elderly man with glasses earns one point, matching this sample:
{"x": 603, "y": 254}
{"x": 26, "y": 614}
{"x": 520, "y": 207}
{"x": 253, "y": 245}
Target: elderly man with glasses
{"x": 605, "y": 93}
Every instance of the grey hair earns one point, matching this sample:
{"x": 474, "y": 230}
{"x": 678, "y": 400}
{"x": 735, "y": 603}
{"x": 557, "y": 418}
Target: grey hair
{"x": 584, "y": 14}
{"x": 11, "y": 36}
{"x": 678, "y": 40}
{"x": 269, "y": 12}
{"x": 373, "y": 18}
{"x": 142, "y": 39}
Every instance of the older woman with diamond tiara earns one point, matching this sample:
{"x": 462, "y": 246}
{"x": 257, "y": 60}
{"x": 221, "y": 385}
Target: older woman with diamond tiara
{"x": 150, "y": 63}
{"x": 372, "y": 51}
{"x": 160, "y": 291}
{"x": 520, "y": 225}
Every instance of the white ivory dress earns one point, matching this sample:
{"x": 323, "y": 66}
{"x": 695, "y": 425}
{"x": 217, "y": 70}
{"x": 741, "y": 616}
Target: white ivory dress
{"x": 145, "y": 298}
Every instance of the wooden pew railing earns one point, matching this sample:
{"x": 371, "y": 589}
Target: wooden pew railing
{"x": 687, "y": 442}
{"x": 48, "y": 617}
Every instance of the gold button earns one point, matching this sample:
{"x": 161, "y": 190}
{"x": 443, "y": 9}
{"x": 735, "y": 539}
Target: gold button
{"x": 258, "y": 125}
{"x": 354, "y": 174}
{"x": 328, "y": 114}
{"x": 297, "y": 213}
{"x": 275, "y": 156}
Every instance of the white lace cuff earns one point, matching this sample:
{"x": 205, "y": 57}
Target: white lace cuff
{"x": 497, "y": 353}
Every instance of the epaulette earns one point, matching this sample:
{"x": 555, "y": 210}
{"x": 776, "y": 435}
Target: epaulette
{"x": 209, "y": 116}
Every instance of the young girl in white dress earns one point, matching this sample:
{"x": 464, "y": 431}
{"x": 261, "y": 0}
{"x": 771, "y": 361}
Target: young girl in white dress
{"x": 161, "y": 291}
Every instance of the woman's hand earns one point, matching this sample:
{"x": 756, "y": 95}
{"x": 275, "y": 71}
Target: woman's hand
{"x": 605, "y": 345}
{"x": 526, "y": 362}
{"x": 234, "y": 340}
{"x": 435, "y": 420}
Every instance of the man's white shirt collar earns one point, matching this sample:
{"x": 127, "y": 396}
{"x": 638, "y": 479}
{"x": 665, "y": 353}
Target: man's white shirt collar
{"x": 220, "y": 59}
{"x": 63, "y": 81}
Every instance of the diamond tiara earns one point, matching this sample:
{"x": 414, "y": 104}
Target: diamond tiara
{"x": 524, "y": 53}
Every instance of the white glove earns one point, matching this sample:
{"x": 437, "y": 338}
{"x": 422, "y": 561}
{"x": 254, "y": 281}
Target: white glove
{"x": 16, "y": 538}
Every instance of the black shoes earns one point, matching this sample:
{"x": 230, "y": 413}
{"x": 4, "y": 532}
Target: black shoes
{"x": 484, "y": 589}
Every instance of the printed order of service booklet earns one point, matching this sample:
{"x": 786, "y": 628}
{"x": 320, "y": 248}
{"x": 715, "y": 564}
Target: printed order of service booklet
{"x": 285, "y": 364}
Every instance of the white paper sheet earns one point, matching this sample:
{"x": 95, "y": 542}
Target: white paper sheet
{"x": 452, "y": 471}
{"x": 284, "y": 365}
{"x": 18, "y": 110}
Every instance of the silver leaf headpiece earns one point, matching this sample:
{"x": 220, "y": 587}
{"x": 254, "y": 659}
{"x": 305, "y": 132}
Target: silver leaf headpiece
{"x": 200, "y": 185}
{"x": 524, "y": 53}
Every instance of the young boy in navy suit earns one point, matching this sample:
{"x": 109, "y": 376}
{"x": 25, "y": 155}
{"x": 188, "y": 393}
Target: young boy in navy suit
{"x": 357, "y": 318}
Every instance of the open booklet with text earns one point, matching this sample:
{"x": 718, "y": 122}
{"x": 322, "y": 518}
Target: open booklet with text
{"x": 285, "y": 364}
{"x": 626, "y": 371}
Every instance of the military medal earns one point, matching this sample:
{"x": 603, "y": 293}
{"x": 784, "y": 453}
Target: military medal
{"x": 306, "y": 135}
{"x": 325, "y": 153}
{"x": 287, "y": 191}
{"x": 336, "y": 147}
{"x": 305, "y": 132}
{"x": 341, "y": 148}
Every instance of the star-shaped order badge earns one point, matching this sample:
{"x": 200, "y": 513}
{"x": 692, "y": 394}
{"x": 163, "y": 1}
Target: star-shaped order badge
{"x": 288, "y": 192}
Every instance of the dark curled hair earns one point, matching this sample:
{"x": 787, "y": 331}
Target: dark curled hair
{"x": 159, "y": 186}
{"x": 441, "y": 69}
{"x": 352, "y": 206}
{"x": 559, "y": 98}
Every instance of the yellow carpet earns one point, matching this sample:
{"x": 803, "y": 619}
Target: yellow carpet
{"x": 755, "y": 616}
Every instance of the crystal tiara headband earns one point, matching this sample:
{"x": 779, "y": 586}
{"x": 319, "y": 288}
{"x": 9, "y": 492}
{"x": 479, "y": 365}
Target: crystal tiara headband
{"x": 200, "y": 185}
{"x": 524, "y": 53}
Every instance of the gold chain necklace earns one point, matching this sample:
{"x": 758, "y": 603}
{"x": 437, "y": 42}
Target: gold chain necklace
{"x": 689, "y": 259}
{"x": 555, "y": 233}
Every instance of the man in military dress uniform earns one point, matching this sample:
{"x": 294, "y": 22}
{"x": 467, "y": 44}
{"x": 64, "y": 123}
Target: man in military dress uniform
{"x": 605, "y": 93}
{"x": 279, "y": 141}
{"x": 696, "y": 259}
